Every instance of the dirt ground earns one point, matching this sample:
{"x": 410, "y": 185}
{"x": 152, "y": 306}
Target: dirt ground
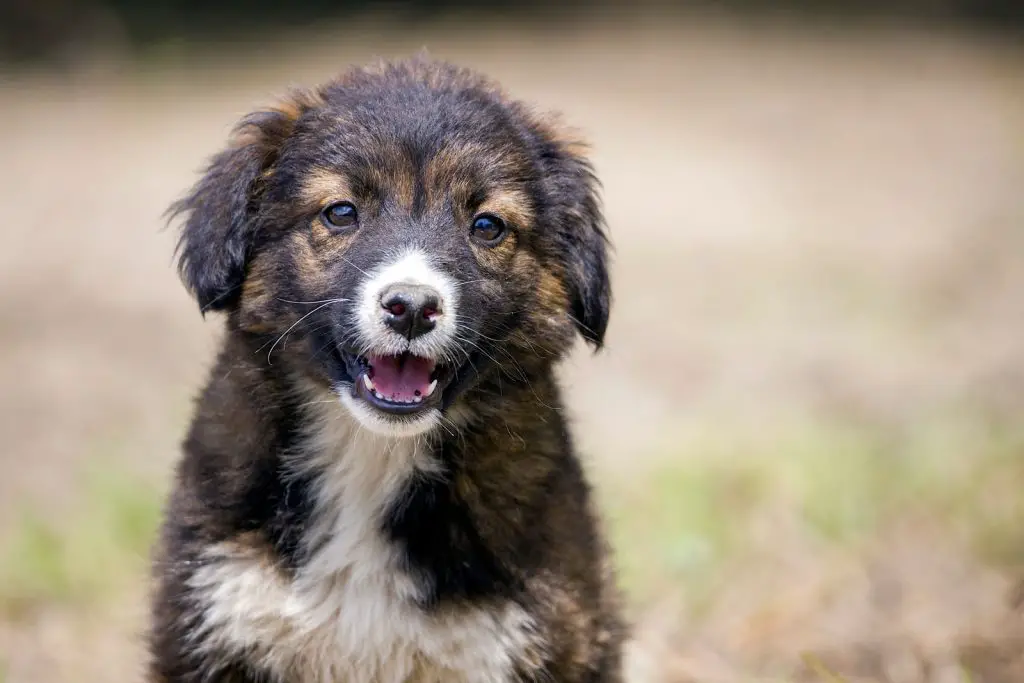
{"x": 809, "y": 225}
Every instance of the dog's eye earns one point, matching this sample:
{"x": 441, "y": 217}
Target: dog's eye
{"x": 488, "y": 229}
{"x": 340, "y": 215}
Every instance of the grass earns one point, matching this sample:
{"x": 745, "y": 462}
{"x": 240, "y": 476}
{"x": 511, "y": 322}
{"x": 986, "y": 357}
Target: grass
{"x": 90, "y": 555}
{"x": 704, "y": 508}
{"x": 822, "y": 671}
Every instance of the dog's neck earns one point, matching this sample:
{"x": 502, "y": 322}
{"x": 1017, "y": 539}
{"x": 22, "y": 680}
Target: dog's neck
{"x": 333, "y": 446}
{"x": 354, "y": 477}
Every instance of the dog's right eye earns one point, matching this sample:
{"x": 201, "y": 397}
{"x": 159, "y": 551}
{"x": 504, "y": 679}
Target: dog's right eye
{"x": 488, "y": 229}
{"x": 340, "y": 216}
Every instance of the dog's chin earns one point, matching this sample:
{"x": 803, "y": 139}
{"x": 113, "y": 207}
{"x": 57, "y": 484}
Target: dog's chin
{"x": 384, "y": 424}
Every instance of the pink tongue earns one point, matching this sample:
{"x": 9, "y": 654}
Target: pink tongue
{"x": 401, "y": 378}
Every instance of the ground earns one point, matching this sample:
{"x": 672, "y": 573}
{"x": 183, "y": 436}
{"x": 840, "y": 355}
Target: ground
{"x": 804, "y": 430}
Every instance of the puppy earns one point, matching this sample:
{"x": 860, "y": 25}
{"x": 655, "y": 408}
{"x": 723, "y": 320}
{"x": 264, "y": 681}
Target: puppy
{"x": 379, "y": 484}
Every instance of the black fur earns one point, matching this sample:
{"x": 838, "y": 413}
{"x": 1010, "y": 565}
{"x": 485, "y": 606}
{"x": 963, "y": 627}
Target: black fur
{"x": 221, "y": 209}
{"x": 442, "y": 544}
{"x": 582, "y": 243}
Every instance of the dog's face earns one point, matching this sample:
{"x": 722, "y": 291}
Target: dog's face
{"x": 398, "y": 235}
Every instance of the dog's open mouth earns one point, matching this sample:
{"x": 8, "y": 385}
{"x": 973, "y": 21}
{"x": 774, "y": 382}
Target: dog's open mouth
{"x": 399, "y": 384}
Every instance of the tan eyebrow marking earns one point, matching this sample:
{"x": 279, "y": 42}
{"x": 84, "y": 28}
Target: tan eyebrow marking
{"x": 322, "y": 185}
{"x": 511, "y": 205}
{"x": 454, "y": 170}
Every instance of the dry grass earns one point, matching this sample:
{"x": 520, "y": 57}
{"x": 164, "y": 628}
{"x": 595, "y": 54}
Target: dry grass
{"x": 826, "y": 547}
{"x": 811, "y": 468}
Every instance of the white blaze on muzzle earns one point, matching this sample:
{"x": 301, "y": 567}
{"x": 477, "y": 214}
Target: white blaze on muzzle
{"x": 412, "y": 268}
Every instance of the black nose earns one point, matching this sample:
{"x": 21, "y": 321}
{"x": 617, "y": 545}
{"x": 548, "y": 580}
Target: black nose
{"x": 411, "y": 310}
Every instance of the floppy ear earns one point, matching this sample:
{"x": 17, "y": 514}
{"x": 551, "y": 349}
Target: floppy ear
{"x": 220, "y": 209}
{"x": 580, "y": 230}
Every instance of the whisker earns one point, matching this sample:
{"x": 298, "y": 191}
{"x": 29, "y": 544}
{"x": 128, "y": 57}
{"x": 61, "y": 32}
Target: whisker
{"x": 522, "y": 374}
{"x": 323, "y": 347}
{"x": 447, "y": 422}
{"x": 322, "y": 301}
{"x": 348, "y": 261}
{"x": 580, "y": 323}
{"x": 292, "y": 327}
{"x": 445, "y": 427}
{"x": 214, "y": 300}
{"x": 518, "y": 366}
{"x": 478, "y": 348}
{"x": 316, "y": 402}
{"x": 459, "y": 283}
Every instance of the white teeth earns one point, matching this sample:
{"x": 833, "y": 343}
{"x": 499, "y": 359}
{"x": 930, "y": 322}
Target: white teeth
{"x": 395, "y": 399}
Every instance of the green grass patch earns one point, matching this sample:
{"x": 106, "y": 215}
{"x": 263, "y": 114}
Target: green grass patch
{"x": 812, "y": 662}
{"x": 706, "y": 508}
{"x": 88, "y": 556}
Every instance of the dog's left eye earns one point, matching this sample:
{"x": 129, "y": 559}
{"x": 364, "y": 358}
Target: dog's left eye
{"x": 340, "y": 215}
{"x": 488, "y": 229}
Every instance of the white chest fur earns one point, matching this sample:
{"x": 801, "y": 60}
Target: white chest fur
{"x": 349, "y": 615}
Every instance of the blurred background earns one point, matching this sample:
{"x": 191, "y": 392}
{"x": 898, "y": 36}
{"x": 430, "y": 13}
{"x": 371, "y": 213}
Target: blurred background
{"x": 812, "y": 467}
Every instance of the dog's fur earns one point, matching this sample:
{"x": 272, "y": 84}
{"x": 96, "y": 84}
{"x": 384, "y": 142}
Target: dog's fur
{"x": 309, "y": 539}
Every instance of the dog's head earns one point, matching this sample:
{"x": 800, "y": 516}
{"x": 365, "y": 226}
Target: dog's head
{"x": 397, "y": 234}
